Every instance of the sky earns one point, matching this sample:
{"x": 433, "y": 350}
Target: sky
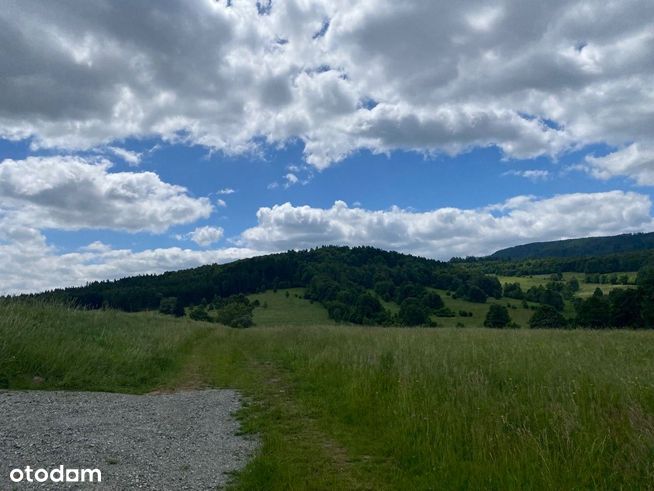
{"x": 141, "y": 137}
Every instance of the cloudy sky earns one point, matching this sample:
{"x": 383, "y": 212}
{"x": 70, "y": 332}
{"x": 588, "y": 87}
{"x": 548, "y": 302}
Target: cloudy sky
{"x": 140, "y": 137}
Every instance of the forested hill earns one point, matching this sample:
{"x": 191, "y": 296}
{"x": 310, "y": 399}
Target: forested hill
{"x": 364, "y": 285}
{"x": 588, "y": 246}
{"x": 351, "y": 283}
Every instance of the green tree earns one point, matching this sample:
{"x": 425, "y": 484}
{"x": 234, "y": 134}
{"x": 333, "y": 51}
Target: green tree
{"x": 573, "y": 284}
{"x": 645, "y": 282}
{"x": 167, "y": 305}
{"x": 432, "y": 300}
{"x": 513, "y": 290}
{"x": 199, "y": 314}
{"x": 497, "y": 316}
{"x": 476, "y": 294}
{"x": 547, "y": 317}
{"x": 624, "y": 308}
{"x": 594, "y": 312}
{"x": 413, "y": 313}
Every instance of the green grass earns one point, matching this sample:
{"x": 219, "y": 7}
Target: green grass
{"x": 374, "y": 408}
{"x": 288, "y": 310}
{"x": 53, "y": 347}
{"x": 518, "y": 313}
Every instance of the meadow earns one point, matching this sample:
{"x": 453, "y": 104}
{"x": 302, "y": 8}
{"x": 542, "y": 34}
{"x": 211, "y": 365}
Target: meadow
{"x": 345, "y": 407}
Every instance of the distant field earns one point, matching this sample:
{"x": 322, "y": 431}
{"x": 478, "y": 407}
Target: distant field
{"x": 585, "y": 289}
{"x": 294, "y": 310}
{"x": 518, "y": 314}
{"x": 376, "y": 408}
{"x": 287, "y": 307}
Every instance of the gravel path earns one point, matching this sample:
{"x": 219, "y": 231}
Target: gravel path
{"x": 185, "y": 440}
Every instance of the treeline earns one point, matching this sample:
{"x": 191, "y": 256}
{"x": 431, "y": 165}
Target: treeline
{"x": 587, "y": 246}
{"x": 621, "y": 308}
{"x": 343, "y": 279}
{"x": 612, "y": 263}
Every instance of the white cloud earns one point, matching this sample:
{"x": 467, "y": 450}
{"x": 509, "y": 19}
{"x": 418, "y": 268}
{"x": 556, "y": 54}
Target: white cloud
{"x": 290, "y": 180}
{"x": 205, "y": 236}
{"x": 132, "y": 158}
{"x": 635, "y": 161}
{"x": 226, "y": 191}
{"x": 530, "y": 77}
{"x": 73, "y": 193}
{"x": 31, "y": 265}
{"x": 28, "y": 263}
{"x": 531, "y": 174}
{"x": 222, "y": 203}
{"x": 448, "y": 232}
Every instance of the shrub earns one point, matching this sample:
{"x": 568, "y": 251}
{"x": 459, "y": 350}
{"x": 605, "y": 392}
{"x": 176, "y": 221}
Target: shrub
{"x": 199, "y": 314}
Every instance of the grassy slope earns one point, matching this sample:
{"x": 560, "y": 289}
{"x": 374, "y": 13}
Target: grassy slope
{"x": 94, "y": 350}
{"x": 369, "y": 408}
{"x": 294, "y": 310}
{"x": 291, "y": 310}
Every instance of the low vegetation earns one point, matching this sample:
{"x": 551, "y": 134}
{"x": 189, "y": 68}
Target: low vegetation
{"x": 360, "y": 408}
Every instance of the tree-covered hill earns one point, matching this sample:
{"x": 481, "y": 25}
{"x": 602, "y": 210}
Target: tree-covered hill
{"x": 588, "y": 246}
{"x": 364, "y": 285}
{"x": 589, "y": 264}
{"x": 350, "y": 283}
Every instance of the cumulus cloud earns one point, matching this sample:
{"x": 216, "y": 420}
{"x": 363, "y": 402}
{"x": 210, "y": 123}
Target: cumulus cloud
{"x": 226, "y": 191}
{"x": 529, "y": 77}
{"x": 73, "y": 193}
{"x": 635, "y": 161}
{"x": 205, "y": 236}
{"x": 222, "y": 203}
{"x": 448, "y": 232}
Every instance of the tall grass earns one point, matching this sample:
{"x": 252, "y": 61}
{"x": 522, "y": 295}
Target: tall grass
{"x": 46, "y": 345}
{"x": 474, "y": 408}
{"x": 372, "y": 408}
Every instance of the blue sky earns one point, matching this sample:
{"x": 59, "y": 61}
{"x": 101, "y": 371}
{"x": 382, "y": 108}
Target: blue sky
{"x": 129, "y": 148}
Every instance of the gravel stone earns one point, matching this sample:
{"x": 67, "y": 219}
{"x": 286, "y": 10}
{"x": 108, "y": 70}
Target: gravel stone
{"x": 183, "y": 440}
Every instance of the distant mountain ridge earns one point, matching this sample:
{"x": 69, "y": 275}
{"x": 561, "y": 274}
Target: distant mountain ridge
{"x": 587, "y": 246}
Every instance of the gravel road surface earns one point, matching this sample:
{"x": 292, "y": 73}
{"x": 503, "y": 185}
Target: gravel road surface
{"x": 184, "y": 440}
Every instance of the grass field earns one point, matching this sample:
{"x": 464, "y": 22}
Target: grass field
{"x": 275, "y": 308}
{"x": 585, "y": 289}
{"x": 372, "y": 408}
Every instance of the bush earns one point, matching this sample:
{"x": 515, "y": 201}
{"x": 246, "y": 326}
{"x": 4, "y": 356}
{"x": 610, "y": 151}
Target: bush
{"x": 444, "y": 312}
{"x": 199, "y": 314}
{"x": 171, "y": 306}
{"x": 235, "y": 311}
